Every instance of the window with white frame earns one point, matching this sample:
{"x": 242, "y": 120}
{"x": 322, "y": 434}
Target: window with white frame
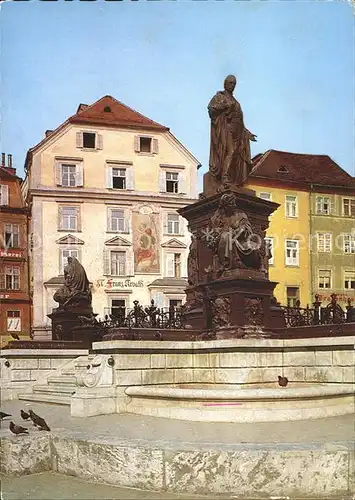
{"x": 349, "y": 243}
{"x": 172, "y": 182}
{"x": 64, "y": 253}
{"x": 349, "y": 207}
{"x": 269, "y": 244}
{"x": 173, "y": 224}
{"x": 69, "y": 174}
{"x": 145, "y": 144}
{"x": 119, "y": 175}
{"x": 13, "y": 322}
{"x": 117, "y": 221}
{"x": 265, "y": 196}
{"x": 119, "y": 178}
{"x": 12, "y": 278}
{"x": 291, "y": 206}
{"x": 12, "y": 235}
{"x": 4, "y": 194}
{"x": 292, "y": 252}
{"x": 89, "y": 140}
{"x": 173, "y": 265}
{"x": 117, "y": 263}
{"x": 323, "y": 205}
{"x": 324, "y": 279}
{"x": 349, "y": 280}
{"x": 324, "y": 242}
{"x": 69, "y": 218}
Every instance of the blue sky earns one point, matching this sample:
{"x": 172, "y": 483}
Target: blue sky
{"x": 294, "y": 63}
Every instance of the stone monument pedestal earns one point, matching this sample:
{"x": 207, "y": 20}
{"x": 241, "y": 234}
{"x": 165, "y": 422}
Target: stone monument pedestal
{"x": 229, "y": 290}
{"x": 67, "y": 325}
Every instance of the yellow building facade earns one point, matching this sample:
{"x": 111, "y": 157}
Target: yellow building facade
{"x": 288, "y": 234}
{"x": 105, "y": 187}
{"x": 289, "y": 229}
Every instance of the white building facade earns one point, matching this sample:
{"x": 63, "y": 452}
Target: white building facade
{"x": 105, "y": 187}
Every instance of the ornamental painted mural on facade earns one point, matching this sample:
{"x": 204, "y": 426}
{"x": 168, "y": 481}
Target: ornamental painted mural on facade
{"x": 146, "y": 242}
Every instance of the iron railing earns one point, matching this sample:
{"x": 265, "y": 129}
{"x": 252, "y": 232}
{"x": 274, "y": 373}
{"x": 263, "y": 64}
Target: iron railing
{"x": 331, "y": 314}
{"x": 174, "y": 318}
{"x": 144, "y": 317}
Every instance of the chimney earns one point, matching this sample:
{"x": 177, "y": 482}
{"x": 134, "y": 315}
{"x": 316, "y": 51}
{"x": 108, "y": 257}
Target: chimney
{"x": 48, "y": 132}
{"x": 9, "y": 168}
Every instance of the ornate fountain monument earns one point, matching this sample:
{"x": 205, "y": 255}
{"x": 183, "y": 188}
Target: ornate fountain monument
{"x": 229, "y": 290}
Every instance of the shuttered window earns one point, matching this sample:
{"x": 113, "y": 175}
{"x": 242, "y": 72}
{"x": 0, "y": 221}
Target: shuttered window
{"x": 4, "y": 194}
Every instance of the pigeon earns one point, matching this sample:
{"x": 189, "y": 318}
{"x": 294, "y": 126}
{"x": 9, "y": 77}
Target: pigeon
{"x": 24, "y": 415}
{"x": 283, "y": 381}
{"x": 4, "y": 415}
{"x": 17, "y": 429}
{"x": 38, "y": 421}
{"x": 14, "y": 336}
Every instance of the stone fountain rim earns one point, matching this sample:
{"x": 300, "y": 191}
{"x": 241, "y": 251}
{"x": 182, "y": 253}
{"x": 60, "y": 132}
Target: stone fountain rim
{"x": 168, "y": 391}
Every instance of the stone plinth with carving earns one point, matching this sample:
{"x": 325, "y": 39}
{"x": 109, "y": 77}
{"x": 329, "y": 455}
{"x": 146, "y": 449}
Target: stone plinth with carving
{"x": 229, "y": 290}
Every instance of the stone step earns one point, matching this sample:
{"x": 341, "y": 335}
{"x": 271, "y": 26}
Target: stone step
{"x": 67, "y": 372}
{"x": 56, "y": 389}
{"x": 62, "y": 379}
{"x": 46, "y": 398}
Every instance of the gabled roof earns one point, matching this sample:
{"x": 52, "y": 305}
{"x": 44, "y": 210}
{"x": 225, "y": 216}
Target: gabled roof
{"x": 5, "y": 174}
{"x": 117, "y": 114}
{"x": 110, "y": 111}
{"x": 302, "y": 168}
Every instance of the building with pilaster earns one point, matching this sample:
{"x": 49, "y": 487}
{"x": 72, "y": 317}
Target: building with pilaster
{"x": 105, "y": 187}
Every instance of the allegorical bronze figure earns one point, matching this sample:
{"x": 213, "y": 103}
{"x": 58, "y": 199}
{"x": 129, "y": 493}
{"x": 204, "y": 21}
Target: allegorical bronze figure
{"x": 230, "y": 157}
{"x": 76, "y": 285}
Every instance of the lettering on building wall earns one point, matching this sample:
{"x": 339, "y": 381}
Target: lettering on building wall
{"x": 6, "y": 253}
{"x": 111, "y": 284}
{"x": 341, "y": 297}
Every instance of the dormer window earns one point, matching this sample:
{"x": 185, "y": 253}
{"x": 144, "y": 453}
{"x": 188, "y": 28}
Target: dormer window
{"x": 283, "y": 169}
{"x": 107, "y": 109}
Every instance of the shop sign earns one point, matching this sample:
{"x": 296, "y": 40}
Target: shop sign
{"x": 114, "y": 284}
{"x": 11, "y": 253}
{"x": 341, "y": 297}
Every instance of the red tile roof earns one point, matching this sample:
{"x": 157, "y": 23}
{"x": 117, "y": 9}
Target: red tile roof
{"x": 302, "y": 168}
{"x": 6, "y": 173}
{"x": 109, "y": 111}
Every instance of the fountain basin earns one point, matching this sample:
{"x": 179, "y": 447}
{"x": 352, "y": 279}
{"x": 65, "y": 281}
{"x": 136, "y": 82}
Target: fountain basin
{"x": 241, "y": 403}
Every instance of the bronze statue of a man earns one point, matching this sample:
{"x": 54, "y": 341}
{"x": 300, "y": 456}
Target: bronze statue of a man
{"x": 230, "y": 157}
